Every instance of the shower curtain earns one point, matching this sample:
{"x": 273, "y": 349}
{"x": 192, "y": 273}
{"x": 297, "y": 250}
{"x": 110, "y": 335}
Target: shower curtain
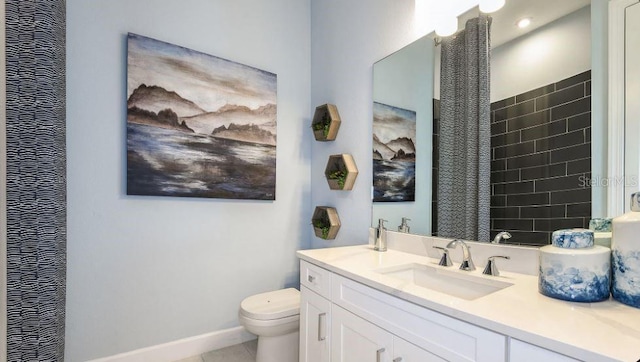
{"x": 36, "y": 179}
{"x": 464, "y": 189}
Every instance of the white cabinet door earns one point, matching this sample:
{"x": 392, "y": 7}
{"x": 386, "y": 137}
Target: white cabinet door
{"x": 356, "y": 340}
{"x": 404, "y": 351}
{"x": 449, "y": 338}
{"x": 315, "y": 327}
{"x": 524, "y": 352}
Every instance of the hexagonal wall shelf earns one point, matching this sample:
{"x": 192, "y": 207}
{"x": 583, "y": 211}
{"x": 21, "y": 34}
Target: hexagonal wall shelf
{"x": 326, "y": 222}
{"x": 341, "y": 172}
{"x": 326, "y": 123}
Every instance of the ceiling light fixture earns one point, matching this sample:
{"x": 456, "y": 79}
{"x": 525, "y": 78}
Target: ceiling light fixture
{"x": 446, "y": 25}
{"x": 490, "y": 6}
{"x": 523, "y": 23}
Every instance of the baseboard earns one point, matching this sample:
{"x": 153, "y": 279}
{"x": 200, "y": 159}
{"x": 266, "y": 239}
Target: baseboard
{"x": 184, "y": 348}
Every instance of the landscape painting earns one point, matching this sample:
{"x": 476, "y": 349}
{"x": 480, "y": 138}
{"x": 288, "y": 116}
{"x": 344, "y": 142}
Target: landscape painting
{"x": 394, "y": 153}
{"x": 198, "y": 125}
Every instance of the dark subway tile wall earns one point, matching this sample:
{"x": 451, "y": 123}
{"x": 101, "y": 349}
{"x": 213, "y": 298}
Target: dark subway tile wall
{"x": 584, "y": 77}
{"x": 543, "y": 130}
{"x": 579, "y": 166}
{"x": 541, "y": 149}
{"x": 528, "y": 120}
{"x": 541, "y": 161}
{"x": 570, "y": 109}
{"x": 544, "y": 171}
{"x": 532, "y": 94}
{"x": 566, "y": 95}
{"x": 513, "y": 111}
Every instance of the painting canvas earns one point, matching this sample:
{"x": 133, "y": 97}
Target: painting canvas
{"x": 394, "y": 153}
{"x": 198, "y": 125}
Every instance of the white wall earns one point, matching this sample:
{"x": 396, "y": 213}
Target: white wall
{"x": 148, "y": 270}
{"x": 551, "y": 53}
{"x": 599, "y": 103}
{"x": 347, "y": 37}
{"x": 632, "y": 103}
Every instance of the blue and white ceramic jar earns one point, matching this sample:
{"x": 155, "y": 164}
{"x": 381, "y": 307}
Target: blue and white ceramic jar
{"x": 576, "y": 275}
{"x": 625, "y": 248}
{"x": 572, "y": 238}
{"x": 600, "y": 224}
{"x": 601, "y": 231}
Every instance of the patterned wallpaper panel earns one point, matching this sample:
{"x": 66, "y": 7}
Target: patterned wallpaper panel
{"x": 36, "y": 184}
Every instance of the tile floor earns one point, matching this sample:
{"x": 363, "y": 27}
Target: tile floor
{"x": 244, "y": 352}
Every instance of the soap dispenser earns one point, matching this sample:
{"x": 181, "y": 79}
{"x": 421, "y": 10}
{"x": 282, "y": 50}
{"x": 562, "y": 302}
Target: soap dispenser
{"x": 381, "y": 237}
{"x": 625, "y": 250}
{"x": 404, "y": 227}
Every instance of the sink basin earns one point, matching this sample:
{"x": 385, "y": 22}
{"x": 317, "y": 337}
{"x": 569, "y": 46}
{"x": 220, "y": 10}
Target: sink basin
{"x": 456, "y": 283}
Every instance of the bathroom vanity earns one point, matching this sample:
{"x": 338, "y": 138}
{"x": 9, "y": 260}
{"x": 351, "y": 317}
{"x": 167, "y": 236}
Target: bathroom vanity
{"x": 358, "y": 304}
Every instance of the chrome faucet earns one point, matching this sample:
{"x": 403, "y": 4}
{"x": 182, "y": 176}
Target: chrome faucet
{"x": 467, "y": 262}
{"x": 381, "y": 237}
{"x": 491, "y": 268}
{"x": 503, "y": 235}
{"x": 445, "y": 260}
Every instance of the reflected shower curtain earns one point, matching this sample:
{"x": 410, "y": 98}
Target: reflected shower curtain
{"x": 464, "y": 189}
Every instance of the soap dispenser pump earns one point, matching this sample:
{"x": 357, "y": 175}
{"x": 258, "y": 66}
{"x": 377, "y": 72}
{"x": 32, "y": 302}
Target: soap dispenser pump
{"x": 404, "y": 227}
{"x": 381, "y": 236}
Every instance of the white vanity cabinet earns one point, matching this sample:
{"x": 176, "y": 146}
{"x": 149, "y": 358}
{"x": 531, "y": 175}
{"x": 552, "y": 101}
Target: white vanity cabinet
{"x": 407, "y": 352}
{"x": 315, "y": 313}
{"x": 524, "y": 352}
{"x": 315, "y": 327}
{"x": 354, "y": 311}
{"x": 355, "y": 339}
{"x": 365, "y": 324}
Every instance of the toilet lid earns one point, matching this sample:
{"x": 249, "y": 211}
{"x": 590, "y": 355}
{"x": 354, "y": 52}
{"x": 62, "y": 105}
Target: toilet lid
{"x": 272, "y": 305}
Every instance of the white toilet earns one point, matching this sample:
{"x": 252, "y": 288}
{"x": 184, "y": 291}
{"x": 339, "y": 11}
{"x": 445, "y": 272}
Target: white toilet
{"x": 275, "y": 318}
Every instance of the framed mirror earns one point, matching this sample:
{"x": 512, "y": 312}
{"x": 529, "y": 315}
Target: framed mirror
{"x": 548, "y": 121}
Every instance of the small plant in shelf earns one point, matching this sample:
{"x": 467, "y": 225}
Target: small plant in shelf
{"x": 341, "y": 172}
{"x": 322, "y": 126}
{"x": 325, "y": 123}
{"x": 326, "y": 222}
{"x": 324, "y": 225}
{"x": 340, "y": 176}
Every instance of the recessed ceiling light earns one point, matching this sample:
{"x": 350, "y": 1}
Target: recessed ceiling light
{"x": 523, "y": 23}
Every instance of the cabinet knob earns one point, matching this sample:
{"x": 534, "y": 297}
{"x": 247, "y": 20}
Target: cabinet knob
{"x": 379, "y": 354}
{"x": 399, "y": 359}
{"x": 311, "y": 278}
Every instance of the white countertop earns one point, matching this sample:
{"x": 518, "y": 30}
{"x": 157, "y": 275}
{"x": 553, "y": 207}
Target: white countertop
{"x": 604, "y": 331}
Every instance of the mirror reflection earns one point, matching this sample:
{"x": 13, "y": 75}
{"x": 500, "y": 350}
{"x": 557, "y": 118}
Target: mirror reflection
{"x": 405, "y": 84}
{"x": 539, "y": 130}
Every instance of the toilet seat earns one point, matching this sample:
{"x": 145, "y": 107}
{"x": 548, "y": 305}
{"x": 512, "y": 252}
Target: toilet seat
{"x": 277, "y": 304}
